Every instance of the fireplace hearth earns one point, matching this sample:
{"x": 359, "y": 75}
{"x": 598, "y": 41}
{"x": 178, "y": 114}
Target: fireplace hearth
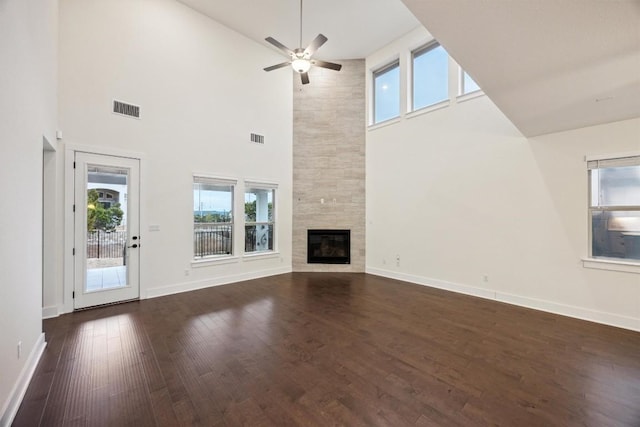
{"x": 329, "y": 246}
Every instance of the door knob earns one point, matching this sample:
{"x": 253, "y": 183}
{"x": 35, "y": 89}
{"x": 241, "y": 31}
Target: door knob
{"x": 135, "y": 245}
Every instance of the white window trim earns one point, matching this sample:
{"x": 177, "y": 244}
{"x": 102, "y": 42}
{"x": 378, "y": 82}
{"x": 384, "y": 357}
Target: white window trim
{"x": 254, "y": 256}
{"x": 385, "y": 123}
{"x": 606, "y": 263}
{"x": 261, "y": 185}
{"x": 214, "y": 260}
{"x": 461, "y": 93}
{"x": 223, "y": 258}
{"x": 469, "y": 96}
{"x": 422, "y": 50}
{"x": 611, "y": 156}
{"x": 429, "y": 108}
{"x": 215, "y": 179}
{"x": 395, "y": 63}
{"x": 611, "y": 265}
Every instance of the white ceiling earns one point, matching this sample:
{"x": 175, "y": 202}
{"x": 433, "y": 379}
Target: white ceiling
{"x": 355, "y": 28}
{"x": 549, "y": 65}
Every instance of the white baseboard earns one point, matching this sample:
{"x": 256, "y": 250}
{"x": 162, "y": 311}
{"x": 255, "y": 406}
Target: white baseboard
{"x": 50, "y": 312}
{"x": 611, "y": 319}
{"x": 214, "y": 281}
{"x": 20, "y": 387}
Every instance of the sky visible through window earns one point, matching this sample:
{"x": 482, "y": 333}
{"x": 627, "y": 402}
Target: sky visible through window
{"x": 387, "y": 95}
{"x": 430, "y": 77}
{"x": 208, "y": 198}
{"x": 469, "y": 85}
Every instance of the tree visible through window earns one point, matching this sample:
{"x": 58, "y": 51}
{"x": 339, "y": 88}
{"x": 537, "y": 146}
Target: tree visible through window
{"x": 259, "y": 218}
{"x": 101, "y": 217}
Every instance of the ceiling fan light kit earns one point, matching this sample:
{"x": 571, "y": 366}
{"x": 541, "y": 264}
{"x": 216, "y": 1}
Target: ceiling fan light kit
{"x": 301, "y": 60}
{"x": 301, "y": 65}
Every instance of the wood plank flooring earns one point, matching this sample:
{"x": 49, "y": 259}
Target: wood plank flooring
{"x": 311, "y": 349}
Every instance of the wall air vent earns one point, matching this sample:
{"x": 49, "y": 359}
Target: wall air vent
{"x": 125, "y": 109}
{"x": 258, "y": 139}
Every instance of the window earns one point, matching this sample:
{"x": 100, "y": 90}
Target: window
{"x": 614, "y": 208}
{"x": 430, "y": 76}
{"x": 467, "y": 84}
{"x": 259, "y": 208}
{"x": 212, "y": 217}
{"x": 386, "y": 93}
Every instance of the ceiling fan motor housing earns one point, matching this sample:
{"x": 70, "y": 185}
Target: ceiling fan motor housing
{"x": 301, "y": 58}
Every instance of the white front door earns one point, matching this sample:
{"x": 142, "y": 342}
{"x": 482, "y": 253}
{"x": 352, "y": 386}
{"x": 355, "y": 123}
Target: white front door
{"x": 107, "y": 238}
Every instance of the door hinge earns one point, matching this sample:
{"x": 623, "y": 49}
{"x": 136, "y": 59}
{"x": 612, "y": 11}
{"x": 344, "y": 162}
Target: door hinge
{"x": 74, "y": 165}
{"x": 74, "y": 251}
{"x": 73, "y": 294}
{"x": 74, "y": 208}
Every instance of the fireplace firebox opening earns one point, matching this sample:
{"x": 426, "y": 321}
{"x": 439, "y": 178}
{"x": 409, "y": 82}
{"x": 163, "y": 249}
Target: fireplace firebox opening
{"x": 329, "y": 246}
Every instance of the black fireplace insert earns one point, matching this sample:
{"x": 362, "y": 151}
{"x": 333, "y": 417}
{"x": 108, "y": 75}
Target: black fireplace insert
{"x": 329, "y": 246}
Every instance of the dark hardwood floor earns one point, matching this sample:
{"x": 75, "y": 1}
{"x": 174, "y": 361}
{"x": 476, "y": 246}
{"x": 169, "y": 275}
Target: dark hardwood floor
{"x": 331, "y": 349}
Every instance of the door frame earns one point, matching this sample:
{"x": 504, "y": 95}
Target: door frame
{"x": 69, "y": 220}
{"x": 51, "y": 235}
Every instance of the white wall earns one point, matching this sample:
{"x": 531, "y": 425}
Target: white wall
{"x": 202, "y": 91}
{"x": 28, "y": 113}
{"x": 459, "y": 194}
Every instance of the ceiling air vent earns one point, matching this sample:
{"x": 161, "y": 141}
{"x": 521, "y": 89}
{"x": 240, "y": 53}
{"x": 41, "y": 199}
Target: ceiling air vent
{"x": 125, "y": 109}
{"x": 258, "y": 139}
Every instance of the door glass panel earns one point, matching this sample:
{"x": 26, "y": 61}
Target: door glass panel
{"x": 107, "y": 189}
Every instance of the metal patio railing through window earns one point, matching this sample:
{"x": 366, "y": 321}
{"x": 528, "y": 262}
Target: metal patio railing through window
{"x": 212, "y": 239}
{"x": 106, "y": 244}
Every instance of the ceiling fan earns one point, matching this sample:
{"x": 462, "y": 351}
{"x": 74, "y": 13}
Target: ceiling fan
{"x": 301, "y": 60}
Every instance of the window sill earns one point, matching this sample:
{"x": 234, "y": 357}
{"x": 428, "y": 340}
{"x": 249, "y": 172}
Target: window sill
{"x": 606, "y": 264}
{"x": 429, "y": 108}
{"x": 384, "y": 124}
{"x": 260, "y": 255}
{"x": 469, "y": 96}
{"x": 206, "y": 262}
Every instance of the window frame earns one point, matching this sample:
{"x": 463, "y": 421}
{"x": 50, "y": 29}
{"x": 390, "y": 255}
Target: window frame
{"x": 261, "y": 185}
{"x": 200, "y": 178}
{"x": 416, "y": 53}
{"x": 461, "y": 85}
{"x": 374, "y": 75}
{"x": 630, "y": 265}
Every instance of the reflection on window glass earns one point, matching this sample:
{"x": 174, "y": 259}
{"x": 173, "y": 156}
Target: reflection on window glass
{"x": 615, "y": 234}
{"x": 615, "y": 186}
{"x": 386, "y": 85}
{"x": 430, "y": 76}
{"x": 615, "y": 211}
{"x": 468, "y": 84}
{"x": 212, "y": 218}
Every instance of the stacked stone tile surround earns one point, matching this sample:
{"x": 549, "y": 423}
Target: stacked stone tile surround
{"x": 329, "y": 125}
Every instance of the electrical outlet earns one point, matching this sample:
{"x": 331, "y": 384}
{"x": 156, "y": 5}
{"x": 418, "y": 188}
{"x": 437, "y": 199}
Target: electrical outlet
{"x": 19, "y": 349}
{"x": 186, "y": 272}
{"x": 485, "y": 278}
{"x": 397, "y": 260}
